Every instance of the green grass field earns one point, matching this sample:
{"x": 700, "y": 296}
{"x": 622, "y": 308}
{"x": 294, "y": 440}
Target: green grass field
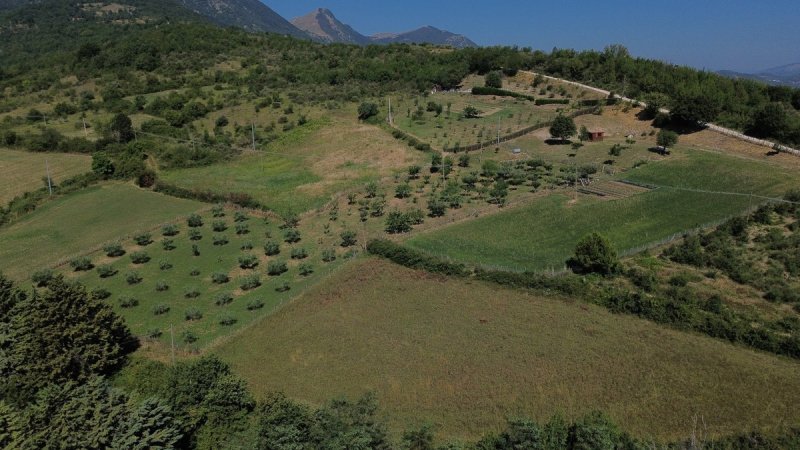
{"x": 22, "y": 172}
{"x": 211, "y": 259}
{"x": 543, "y": 234}
{"x": 466, "y": 356}
{"x": 81, "y": 221}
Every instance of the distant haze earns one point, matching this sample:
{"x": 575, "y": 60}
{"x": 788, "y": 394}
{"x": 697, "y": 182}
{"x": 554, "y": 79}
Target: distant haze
{"x": 741, "y": 35}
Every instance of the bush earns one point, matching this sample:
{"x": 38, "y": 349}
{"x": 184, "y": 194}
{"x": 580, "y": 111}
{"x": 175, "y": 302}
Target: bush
{"x": 276, "y": 268}
{"x": 299, "y": 253}
{"x": 160, "y": 309}
{"x": 242, "y": 228}
{"x": 194, "y": 273}
{"x": 169, "y": 230}
{"x": 594, "y": 254}
{"x": 106, "y": 271}
{"x": 398, "y": 222}
{"x": 193, "y": 314}
{"x": 413, "y": 259}
{"x": 367, "y": 110}
{"x": 81, "y": 264}
{"x": 195, "y": 235}
{"x": 164, "y": 265}
{"x": 306, "y": 269}
{"x": 133, "y": 278}
{"x": 140, "y": 257}
{"x": 162, "y": 286}
{"x": 227, "y": 321}
{"x": 246, "y": 246}
{"x": 248, "y": 262}
{"x": 100, "y": 293}
{"x": 272, "y": 248}
{"x": 191, "y": 292}
{"x": 42, "y": 277}
{"x": 328, "y": 255}
{"x": 348, "y": 238}
{"x": 143, "y": 239}
{"x": 403, "y": 191}
{"x": 113, "y": 250}
{"x": 154, "y": 333}
{"x": 219, "y": 240}
{"x": 219, "y": 225}
{"x": 189, "y": 337}
{"x": 220, "y": 278}
{"x": 223, "y": 298}
{"x": 255, "y": 305}
{"x": 291, "y": 236}
{"x": 239, "y": 216}
{"x": 126, "y": 301}
{"x": 250, "y": 282}
{"x": 194, "y": 221}
{"x": 218, "y": 211}
{"x": 283, "y": 287}
{"x": 168, "y": 245}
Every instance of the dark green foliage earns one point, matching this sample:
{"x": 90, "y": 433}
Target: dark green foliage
{"x": 143, "y": 239}
{"x": 402, "y": 191}
{"x": 594, "y": 254}
{"x": 42, "y": 277}
{"x": 81, "y": 264}
{"x": 219, "y": 225}
{"x": 242, "y": 228}
{"x": 106, "y": 271}
{"x": 248, "y": 262}
{"x": 436, "y": 208}
{"x": 168, "y": 245}
{"x": 133, "y": 278}
{"x": 398, "y": 222}
{"x": 195, "y": 235}
{"x": 272, "y": 248}
{"x": 223, "y": 298}
{"x": 250, "y": 282}
{"x": 328, "y": 255}
{"x": 563, "y": 128}
{"x": 367, "y": 110}
{"x": 140, "y": 257}
{"x": 220, "y": 278}
{"x": 349, "y": 238}
{"x": 194, "y": 221}
{"x": 219, "y": 240}
{"x": 667, "y": 138}
{"x": 191, "y": 292}
{"x": 276, "y": 268}
{"x": 35, "y": 326}
{"x": 413, "y": 258}
{"x": 299, "y": 253}
{"x": 126, "y": 301}
{"x": 246, "y": 246}
{"x": 494, "y": 79}
{"x": 291, "y": 236}
{"x": 162, "y": 286}
{"x": 160, "y": 309}
{"x": 305, "y": 269}
{"x": 227, "y": 320}
{"x": 100, "y": 294}
{"x": 239, "y": 217}
{"x": 496, "y": 91}
{"x": 471, "y": 112}
{"x": 113, "y": 250}
{"x": 254, "y": 305}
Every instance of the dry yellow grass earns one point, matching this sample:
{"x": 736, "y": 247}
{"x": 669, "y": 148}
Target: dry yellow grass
{"x": 21, "y": 172}
{"x": 466, "y": 356}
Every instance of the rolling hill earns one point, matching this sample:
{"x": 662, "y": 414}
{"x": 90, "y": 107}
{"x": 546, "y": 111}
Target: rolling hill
{"x": 786, "y": 75}
{"x": 428, "y": 35}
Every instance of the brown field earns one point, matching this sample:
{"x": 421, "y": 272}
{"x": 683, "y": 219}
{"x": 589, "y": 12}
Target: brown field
{"x": 22, "y": 172}
{"x": 466, "y": 356}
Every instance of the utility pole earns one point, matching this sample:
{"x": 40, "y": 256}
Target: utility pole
{"x": 49, "y": 183}
{"x": 172, "y": 340}
{"x": 390, "y": 118}
{"x": 253, "y": 133}
{"x": 85, "y": 133}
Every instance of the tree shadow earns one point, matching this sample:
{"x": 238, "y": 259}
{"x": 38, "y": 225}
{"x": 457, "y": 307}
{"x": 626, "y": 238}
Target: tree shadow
{"x": 552, "y": 141}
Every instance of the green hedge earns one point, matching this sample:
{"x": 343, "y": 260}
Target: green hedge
{"x": 236, "y": 198}
{"x": 414, "y": 259}
{"x": 483, "y": 90}
{"x": 552, "y": 101}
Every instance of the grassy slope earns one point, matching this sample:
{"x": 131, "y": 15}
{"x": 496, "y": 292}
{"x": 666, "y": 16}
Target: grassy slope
{"x": 542, "y": 235}
{"x": 466, "y": 356}
{"x": 21, "y": 172}
{"x": 79, "y": 222}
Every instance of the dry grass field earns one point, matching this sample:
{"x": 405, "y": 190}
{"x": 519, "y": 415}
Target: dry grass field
{"x": 22, "y": 172}
{"x": 466, "y": 356}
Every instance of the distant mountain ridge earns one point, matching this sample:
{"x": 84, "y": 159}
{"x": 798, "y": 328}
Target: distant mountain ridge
{"x": 786, "y": 75}
{"x": 252, "y": 15}
{"x": 322, "y": 25}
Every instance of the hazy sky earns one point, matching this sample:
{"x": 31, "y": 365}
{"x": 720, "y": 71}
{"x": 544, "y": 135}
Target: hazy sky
{"x": 713, "y": 34}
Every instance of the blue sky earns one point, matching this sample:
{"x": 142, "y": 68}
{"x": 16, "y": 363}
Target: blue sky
{"x": 712, "y": 34}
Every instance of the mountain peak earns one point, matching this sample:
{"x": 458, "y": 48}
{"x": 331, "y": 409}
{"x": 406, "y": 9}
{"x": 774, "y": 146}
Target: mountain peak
{"x": 323, "y": 26}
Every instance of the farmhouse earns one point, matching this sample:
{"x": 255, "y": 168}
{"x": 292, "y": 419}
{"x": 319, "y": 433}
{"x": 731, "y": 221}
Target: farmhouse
{"x": 597, "y": 135}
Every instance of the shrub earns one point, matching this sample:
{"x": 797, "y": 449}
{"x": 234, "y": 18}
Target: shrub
{"x": 250, "y": 282}
{"x": 239, "y": 216}
{"x": 191, "y": 292}
{"x": 403, "y": 191}
{"x": 223, "y": 298}
{"x": 113, "y": 250}
{"x": 106, "y": 271}
{"x": 398, "y": 222}
{"x": 276, "y": 268}
{"x": 133, "y": 278}
{"x": 81, "y": 264}
{"x": 248, "y": 262}
{"x": 160, "y": 309}
{"x": 164, "y": 265}
{"x": 140, "y": 257}
{"x": 220, "y": 278}
{"x": 219, "y": 225}
{"x": 227, "y": 321}
{"x": 283, "y": 287}
{"x": 255, "y": 304}
{"x": 436, "y": 208}
{"x": 126, "y": 301}
{"x": 193, "y": 314}
{"x": 306, "y": 269}
{"x": 194, "y": 221}
{"x": 42, "y": 277}
{"x": 169, "y": 230}
{"x": 272, "y": 248}
{"x": 220, "y": 239}
{"x": 328, "y": 255}
{"x": 242, "y": 228}
{"x": 413, "y": 259}
{"x": 247, "y": 245}
{"x": 348, "y": 238}
{"x": 100, "y": 293}
{"x": 162, "y": 286}
{"x": 195, "y": 272}
{"x": 195, "y": 235}
{"x": 291, "y": 236}
{"x": 195, "y": 250}
{"x": 299, "y": 253}
{"x": 154, "y": 333}
{"x": 218, "y": 211}
{"x": 168, "y": 245}
{"x": 594, "y": 254}
{"x": 143, "y": 239}
{"x": 189, "y": 337}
